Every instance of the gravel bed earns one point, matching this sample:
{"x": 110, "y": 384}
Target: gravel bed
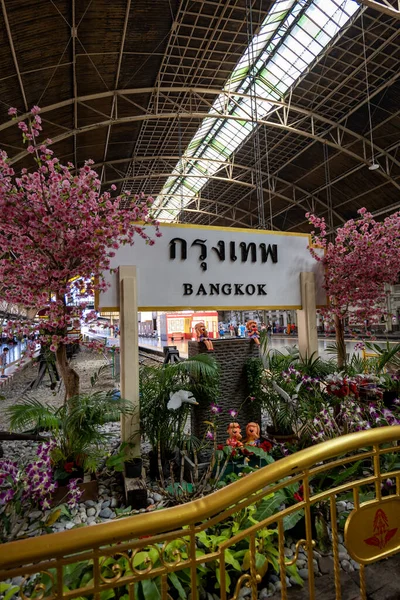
{"x": 110, "y": 484}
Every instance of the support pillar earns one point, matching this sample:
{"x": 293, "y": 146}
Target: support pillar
{"x": 307, "y": 317}
{"x": 129, "y": 357}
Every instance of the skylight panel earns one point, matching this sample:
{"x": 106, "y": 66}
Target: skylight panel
{"x": 290, "y": 38}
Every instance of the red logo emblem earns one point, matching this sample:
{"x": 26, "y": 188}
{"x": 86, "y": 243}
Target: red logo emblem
{"x": 382, "y": 533}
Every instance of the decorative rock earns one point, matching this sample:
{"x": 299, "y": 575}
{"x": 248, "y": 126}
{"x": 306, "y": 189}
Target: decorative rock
{"x": 106, "y": 504}
{"x": 288, "y": 552}
{"x": 303, "y": 573}
{"x": 35, "y": 514}
{"x": 293, "y": 581}
{"x": 355, "y": 565}
{"x": 244, "y": 592}
{"x": 263, "y": 594}
{"x": 346, "y": 566}
{"x": 343, "y": 556}
{"x": 157, "y": 497}
{"x": 90, "y": 503}
{"x": 341, "y": 506}
{"x": 91, "y": 520}
{"x": 325, "y": 564}
{"x": 18, "y": 580}
{"x": 342, "y": 548}
{"x": 69, "y": 525}
{"x": 301, "y": 563}
{"x": 91, "y": 512}
{"x": 77, "y": 520}
{"x": 114, "y": 502}
{"x": 106, "y": 513}
{"x": 278, "y": 586}
{"x": 271, "y": 589}
{"x": 274, "y": 578}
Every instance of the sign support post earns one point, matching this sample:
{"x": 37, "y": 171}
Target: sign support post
{"x": 130, "y": 424}
{"x": 307, "y": 317}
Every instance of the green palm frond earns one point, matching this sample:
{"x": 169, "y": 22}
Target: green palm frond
{"x": 33, "y": 415}
{"x": 388, "y": 354}
{"x": 198, "y": 367}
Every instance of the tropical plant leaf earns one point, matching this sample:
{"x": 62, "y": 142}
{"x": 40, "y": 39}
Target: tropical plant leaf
{"x": 291, "y": 520}
{"x": 173, "y": 577}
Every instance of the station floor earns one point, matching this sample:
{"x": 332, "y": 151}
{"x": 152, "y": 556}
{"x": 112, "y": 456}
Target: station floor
{"x": 277, "y": 341}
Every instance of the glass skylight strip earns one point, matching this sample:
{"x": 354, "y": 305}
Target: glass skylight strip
{"x": 286, "y": 45}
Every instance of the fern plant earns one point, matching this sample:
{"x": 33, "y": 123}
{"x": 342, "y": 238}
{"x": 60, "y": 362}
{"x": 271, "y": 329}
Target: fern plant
{"x": 76, "y": 428}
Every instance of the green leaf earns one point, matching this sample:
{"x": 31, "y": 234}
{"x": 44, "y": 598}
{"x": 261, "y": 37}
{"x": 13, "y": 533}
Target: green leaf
{"x": 231, "y": 560}
{"x": 227, "y": 578}
{"x": 293, "y": 572}
{"x": 269, "y": 505}
{"x": 290, "y": 520}
{"x": 150, "y": 589}
{"x": 261, "y": 564}
{"x": 107, "y": 594}
{"x": 139, "y": 558}
{"x": 10, "y": 589}
{"x": 177, "y": 585}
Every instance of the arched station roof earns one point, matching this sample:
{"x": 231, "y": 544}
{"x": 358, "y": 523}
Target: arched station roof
{"x": 229, "y": 112}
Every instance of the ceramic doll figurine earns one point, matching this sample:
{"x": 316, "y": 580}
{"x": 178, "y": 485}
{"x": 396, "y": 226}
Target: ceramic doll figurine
{"x": 234, "y": 435}
{"x": 252, "y": 434}
{"x": 253, "y": 332}
{"x": 202, "y": 336}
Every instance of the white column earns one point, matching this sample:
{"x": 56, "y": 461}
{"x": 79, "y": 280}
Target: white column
{"x": 307, "y": 317}
{"x": 129, "y": 358}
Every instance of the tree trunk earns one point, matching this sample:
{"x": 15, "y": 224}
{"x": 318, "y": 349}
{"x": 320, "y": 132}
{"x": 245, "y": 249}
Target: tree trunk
{"x": 340, "y": 343}
{"x": 69, "y": 376}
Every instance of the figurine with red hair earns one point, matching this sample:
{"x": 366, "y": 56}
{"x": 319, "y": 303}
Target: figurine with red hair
{"x": 234, "y": 435}
{"x": 253, "y": 332}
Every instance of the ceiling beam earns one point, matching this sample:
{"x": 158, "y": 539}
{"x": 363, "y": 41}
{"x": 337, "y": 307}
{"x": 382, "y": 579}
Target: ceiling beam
{"x": 285, "y": 113}
{"x": 114, "y": 100}
{"x": 383, "y": 7}
{"x": 229, "y": 165}
{"x": 11, "y": 42}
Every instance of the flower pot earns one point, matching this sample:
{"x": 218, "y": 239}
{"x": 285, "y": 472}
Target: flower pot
{"x": 281, "y": 437}
{"x": 165, "y": 463}
{"x": 388, "y": 397}
{"x": 133, "y": 468}
{"x": 90, "y": 492}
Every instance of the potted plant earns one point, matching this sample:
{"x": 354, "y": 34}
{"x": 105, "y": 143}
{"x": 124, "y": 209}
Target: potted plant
{"x": 164, "y": 427}
{"x": 121, "y": 461}
{"x": 76, "y": 429}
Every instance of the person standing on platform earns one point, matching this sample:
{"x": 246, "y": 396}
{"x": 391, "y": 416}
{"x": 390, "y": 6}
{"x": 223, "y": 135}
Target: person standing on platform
{"x": 231, "y": 330}
{"x": 3, "y": 363}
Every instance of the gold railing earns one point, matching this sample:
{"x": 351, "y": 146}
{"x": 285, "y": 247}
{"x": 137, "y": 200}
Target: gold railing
{"x": 228, "y": 539}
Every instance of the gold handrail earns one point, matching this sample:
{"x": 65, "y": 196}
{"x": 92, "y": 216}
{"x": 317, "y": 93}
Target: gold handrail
{"x": 77, "y": 540}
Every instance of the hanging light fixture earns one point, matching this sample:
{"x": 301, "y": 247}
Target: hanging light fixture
{"x": 374, "y": 166}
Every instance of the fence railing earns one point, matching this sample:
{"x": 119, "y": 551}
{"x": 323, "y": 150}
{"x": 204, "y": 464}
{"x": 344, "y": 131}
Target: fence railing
{"x": 234, "y": 537}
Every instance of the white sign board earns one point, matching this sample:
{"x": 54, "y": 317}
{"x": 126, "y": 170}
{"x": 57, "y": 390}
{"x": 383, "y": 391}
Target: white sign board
{"x": 212, "y": 268}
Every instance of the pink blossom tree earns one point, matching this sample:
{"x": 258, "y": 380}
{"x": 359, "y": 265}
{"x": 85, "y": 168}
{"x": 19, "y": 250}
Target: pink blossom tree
{"x": 364, "y": 256}
{"x": 58, "y": 232}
